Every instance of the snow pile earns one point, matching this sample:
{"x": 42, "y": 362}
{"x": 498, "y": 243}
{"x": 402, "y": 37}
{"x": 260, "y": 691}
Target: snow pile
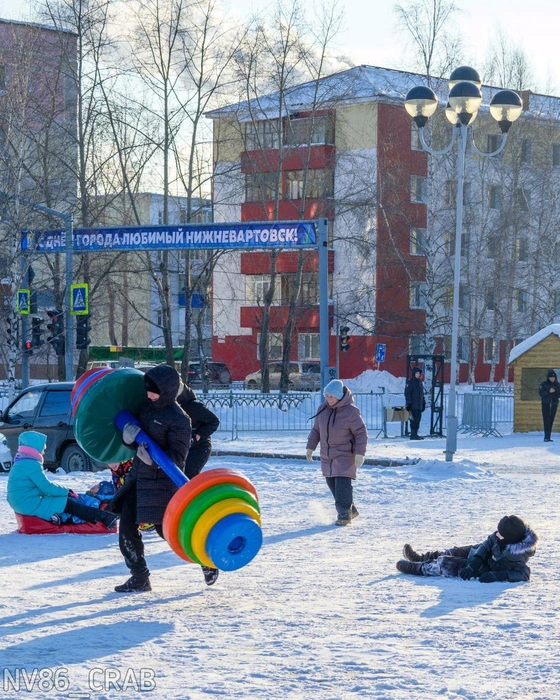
{"x": 377, "y": 381}
{"x": 439, "y": 470}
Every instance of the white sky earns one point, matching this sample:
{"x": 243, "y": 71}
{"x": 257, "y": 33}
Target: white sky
{"x": 370, "y": 37}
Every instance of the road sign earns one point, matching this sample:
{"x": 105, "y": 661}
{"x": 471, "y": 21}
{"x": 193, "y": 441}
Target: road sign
{"x": 380, "y": 350}
{"x": 79, "y": 298}
{"x": 23, "y": 301}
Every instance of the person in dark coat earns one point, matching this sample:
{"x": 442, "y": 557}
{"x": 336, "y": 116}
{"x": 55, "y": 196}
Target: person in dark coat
{"x": 204, "y": 423}
{"x": 415, "y": 402}
{"x": 147, "y": 489}
{"x": 342, "y": 433}
{"x": 501, "y": 557}
{"x": 549, "y": 391}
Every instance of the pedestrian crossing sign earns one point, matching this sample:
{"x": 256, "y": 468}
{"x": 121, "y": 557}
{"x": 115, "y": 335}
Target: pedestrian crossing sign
{"x": 79, "y": 298}
{"x": 23, "y": 301}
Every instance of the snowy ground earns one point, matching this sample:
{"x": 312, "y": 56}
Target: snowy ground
{"x": 321, "y": 612}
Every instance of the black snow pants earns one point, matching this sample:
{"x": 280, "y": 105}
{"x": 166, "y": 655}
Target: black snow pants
{"x": 548, "y": 415}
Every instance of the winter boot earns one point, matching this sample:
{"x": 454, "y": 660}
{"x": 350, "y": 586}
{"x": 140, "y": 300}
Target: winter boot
{"x": 109, "y": 519}
{"x": 210, "y": 575}
{"x": 411, "y": 555}
{"x": 344, "y": 518}
{"x": 353, "y": 512}
{"x": 409, "y": 567}
{"x": 138, "y": 583}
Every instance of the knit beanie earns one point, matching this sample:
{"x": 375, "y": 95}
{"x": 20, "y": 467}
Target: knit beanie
{"x": 512, "y": 529}
{"x": 31, "y": 438}
{"x": 151, "y": 385}
{"x": 417, "y": 370}
{"x": 551, "y": 373}
{"x": 334, "y": 388}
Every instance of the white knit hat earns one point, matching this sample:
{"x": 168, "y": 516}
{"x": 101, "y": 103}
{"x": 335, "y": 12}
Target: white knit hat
{"x": 334, "y": 388}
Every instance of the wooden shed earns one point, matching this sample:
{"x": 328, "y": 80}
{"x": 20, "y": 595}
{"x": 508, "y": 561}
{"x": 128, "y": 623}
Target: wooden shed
{"x": 531, "y": 359}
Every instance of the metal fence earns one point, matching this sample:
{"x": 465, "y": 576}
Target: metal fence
{"x": 239, "y": 412}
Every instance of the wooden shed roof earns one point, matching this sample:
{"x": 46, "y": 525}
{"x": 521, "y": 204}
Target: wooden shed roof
{"x": 533, "y": 340}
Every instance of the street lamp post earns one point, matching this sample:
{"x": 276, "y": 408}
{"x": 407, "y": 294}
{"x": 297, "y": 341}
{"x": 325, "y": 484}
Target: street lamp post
{"x": 465, "y": 98}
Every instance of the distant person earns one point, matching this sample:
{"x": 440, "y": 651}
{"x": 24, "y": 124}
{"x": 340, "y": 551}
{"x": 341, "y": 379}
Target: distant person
{"x": 502, "y": 557}
{"x": 31, "y": 493}
{"x": 549, "y": 391}
{"x": 204, "y": 424}
{"x": 415, "y": 402}
{"x": 341, "y": 430}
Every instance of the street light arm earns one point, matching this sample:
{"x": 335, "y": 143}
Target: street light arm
{"x": 433, "y": 151}
{"x": 40, "y": 207}
{"x": 492, "y": 153}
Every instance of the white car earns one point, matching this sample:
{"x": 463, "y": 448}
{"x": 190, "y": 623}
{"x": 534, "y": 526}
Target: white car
{"x": 5, "y": 454}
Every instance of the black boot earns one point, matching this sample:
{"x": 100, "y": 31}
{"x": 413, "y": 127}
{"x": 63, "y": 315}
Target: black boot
{"x": 109, "y": 519}
{"x": 210, "y": 575}
{"x": 137, "y": 583}
{"x": 411, "y": 555}
{"x": 409, "y": 567}
{"x": 344, "y": 518}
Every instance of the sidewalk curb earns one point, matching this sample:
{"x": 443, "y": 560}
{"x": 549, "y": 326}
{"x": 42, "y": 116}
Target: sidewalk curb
{"x": 371, "y": 461}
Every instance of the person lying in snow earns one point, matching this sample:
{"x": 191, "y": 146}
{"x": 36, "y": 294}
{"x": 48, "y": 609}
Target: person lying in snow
{"x": 502, "y": 556}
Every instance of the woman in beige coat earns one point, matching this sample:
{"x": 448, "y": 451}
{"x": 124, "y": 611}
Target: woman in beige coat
{"x": 341, "y": 430}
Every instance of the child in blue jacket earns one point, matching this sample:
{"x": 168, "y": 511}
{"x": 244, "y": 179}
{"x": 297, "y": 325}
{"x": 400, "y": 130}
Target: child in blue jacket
{"x": 31, "y": 493}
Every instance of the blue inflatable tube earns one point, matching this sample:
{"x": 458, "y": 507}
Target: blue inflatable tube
{"x": 154, "y": 450}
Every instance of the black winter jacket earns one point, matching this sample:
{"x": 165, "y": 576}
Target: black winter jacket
{"x": 509, "y": 563}
{"x": 166, "y": 422}
{"x": 414, "y": 395}
{"x": 547, "y": 396}
{"x": 204, "y": 421}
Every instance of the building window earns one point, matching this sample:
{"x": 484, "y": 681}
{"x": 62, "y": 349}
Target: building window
{"x": 522, "y": 199}
{"x": 416, "y": 295}
{"x": 450, "y": 243}
{"x": 495, "y": 197}
{"x": 417, "y": 241}
{"x": 451, "y": 193}
{"x": 522, "y": 249}
{"x": 489, "y": 349}
{"x": 463, "y": 297}
{"x": 490, "y": 300}
{"x": 256, "y": 286}
{"x": 308, "y": 346}
{"x": 522, "y": 298}
{"x": 314, "y": 184}
{"x": 415, "y": 345}
{"x": 261, "y": 187}
{"x": 2, "y": 77}
{"x": 309, "y": 288}
{"x": 419, "y": 189}
{"x": 556, "y": 302}
{"x": 526, "y": 151}
{"x": 309, "y": 130}
{"x": 556, "y": 154}
{"x": 463, "y": 347}
{"x": 494, "y": 141}
{"x": 492, "y": 247}
{"x": 262, "y": 134}
{"x": 160, "y": 217}
{"x": 415, "y": 144}
{"x": 275, "y": 346}
{"x": 448, "y": 296}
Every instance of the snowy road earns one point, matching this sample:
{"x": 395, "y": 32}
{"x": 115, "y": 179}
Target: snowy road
{"x": 321, "y": 612}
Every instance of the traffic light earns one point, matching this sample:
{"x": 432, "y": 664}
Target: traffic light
{"x": 344, "y": 339}
{"x": 37, "y": 331}
{"x": 56, "y": 327}
{"x": 28, "y": 347}
{"x": 82, "y": 332}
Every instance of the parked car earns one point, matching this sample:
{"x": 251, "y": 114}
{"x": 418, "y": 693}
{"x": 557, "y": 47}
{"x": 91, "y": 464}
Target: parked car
{"x": 46, "y": 408}
{"x": 5, "y": 455}
{"x": 217, "y": 372}
{"x": 303, "y": 376}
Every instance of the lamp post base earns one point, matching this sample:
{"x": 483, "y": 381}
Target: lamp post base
{"x": 451, "y": 441}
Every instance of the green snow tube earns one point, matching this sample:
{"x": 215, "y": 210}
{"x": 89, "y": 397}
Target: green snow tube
{"x": 94, "y": 420}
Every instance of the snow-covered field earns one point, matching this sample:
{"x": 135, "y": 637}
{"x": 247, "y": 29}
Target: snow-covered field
{"x": 321, "y": 612}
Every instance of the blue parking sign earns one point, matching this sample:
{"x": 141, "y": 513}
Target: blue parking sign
{"x": 380, "y": 350}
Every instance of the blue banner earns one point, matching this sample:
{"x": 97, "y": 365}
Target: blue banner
{"x": 251, "y": 234}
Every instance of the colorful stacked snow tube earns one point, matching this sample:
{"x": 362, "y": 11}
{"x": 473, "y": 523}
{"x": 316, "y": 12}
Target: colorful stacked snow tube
{"x": 214, "y": 519}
